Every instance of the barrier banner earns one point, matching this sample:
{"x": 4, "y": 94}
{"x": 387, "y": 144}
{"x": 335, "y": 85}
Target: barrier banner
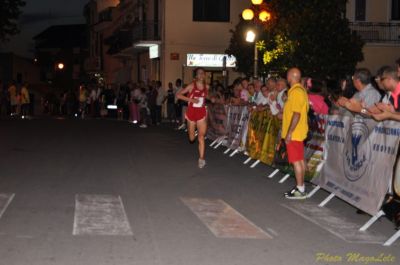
{"x": 256, "y": 129}
{"x": 217, "y": 121}
{"x": 360, "y": 158}
{"x": 314, "y": 146}
{"x": 270, "y": 140}
{"x": 245, "y": 128}
{"x": 237, "y": 119}
{"x": 396, "y": 177}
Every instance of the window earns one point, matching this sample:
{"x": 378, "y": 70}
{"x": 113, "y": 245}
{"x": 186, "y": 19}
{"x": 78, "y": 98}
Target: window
{"x": 395, "y": 10}
{"x": 211, "y": 10}
{"x": 360, "y": 10}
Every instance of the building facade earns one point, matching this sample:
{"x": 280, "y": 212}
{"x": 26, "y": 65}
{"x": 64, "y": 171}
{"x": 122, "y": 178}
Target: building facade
{"x": 102, "y": 18}
{"x": 378, "y": 24}
{"x": 19, "y": 69}
{"x": 145, "y": 40}
{"x": 60, "y": 51}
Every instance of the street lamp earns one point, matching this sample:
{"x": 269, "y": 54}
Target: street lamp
{"x": 250, "y": 36}
{"x": 264, "y": 16}
{"x": 258, "y": 15}
{"x": 60, "y": 66}
{"x": 248, "y": 14}
{"x": 256, "y": 2}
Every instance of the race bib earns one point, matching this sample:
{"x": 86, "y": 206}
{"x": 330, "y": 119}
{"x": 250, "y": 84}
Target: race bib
{"x": 199, "y": 104}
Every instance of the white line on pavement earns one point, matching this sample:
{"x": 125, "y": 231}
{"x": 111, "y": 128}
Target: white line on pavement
{"x": 334, "y": 223}
{"x": 100, "y": 215}
{"x": 5, "y": 200}
{"x": 223, "y": 220}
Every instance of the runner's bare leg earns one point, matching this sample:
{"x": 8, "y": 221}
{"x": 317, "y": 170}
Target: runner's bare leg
{"x": 201, "y": 129}
{"x": 191, "y": 130}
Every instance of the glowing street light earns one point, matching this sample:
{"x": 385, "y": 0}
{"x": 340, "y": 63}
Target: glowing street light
{"x": 250, "y": 36}
{"x": 248, "y": 14}
{"x": 256, "y": 2}
{"x": 264, "y": 16}
{"x": 259, "y": 16}
{"x": 60, "y": 66}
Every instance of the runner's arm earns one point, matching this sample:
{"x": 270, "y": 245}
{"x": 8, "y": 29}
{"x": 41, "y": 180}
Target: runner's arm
{"x": 181, "y": 94}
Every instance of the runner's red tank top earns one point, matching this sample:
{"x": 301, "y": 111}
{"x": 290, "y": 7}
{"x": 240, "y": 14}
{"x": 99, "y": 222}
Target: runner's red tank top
{"x": 197, "y": 111}
{"x": 199, "y": 94}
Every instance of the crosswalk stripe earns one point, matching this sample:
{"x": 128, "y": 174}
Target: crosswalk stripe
{"x": 100, "y": 215}
{"x": 223, "y": 220}
{"x": 334, "y": 223}
{"x": 5, "y": 200}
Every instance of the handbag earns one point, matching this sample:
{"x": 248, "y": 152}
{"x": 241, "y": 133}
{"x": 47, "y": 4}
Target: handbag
{"x": 281, "y": 156}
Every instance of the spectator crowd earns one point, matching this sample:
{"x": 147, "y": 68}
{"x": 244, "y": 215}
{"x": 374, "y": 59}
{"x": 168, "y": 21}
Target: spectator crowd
{"x": 151, "y": 103}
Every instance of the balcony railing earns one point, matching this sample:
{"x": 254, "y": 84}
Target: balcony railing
{"x": 377, "y": 32}
{"x": 105, "y": 15}
{"x": 147, "y": 31}
{"x": 129, "y": 35}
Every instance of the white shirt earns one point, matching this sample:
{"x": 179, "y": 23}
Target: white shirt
{"x": 160, "y": 96}
{"x": 279, "y": 98}
{"x": 259, "y": 98}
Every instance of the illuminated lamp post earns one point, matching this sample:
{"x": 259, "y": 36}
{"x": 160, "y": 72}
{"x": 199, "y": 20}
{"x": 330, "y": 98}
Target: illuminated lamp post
{"x": 258, "y": 15}
{"x": 60, "y": 66}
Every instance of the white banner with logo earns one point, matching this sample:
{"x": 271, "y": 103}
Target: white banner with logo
{"x": 238, "y": 118}
{"x": 361, "y": 154}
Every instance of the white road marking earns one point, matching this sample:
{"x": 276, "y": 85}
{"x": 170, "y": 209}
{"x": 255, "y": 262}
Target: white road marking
{"x": 100, "y": 215}
{"x": 5, "y": 200}
{"x": 224, "y": 221}
{"x": 333, "y": 222}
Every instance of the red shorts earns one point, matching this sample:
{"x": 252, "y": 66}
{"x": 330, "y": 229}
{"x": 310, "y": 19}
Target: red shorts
{"x": 196, "y": 114}
{"x": 295, "y": 151}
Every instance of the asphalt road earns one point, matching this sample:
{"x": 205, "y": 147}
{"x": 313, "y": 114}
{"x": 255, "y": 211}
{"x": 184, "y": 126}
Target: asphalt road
{"x": 47, "y": 164}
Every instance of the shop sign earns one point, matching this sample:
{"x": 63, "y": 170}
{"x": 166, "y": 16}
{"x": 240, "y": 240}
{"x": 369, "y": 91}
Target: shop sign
{"x": 210, "y": 60}
{"x": 154, "y": 51}
{"x": 174, "y": 56}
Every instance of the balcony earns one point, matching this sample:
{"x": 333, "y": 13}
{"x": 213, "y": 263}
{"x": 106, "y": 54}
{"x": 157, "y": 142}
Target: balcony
{"x": 129, "y": 36}
{"x": 106, "y": 15}
{"x": 147, "y": 31}
{"x": 372, "y": 32}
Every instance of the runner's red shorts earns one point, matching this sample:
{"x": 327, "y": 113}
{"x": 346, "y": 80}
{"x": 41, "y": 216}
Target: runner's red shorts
{"x": 295, "y": 151}
{"x": 196, "y": 114}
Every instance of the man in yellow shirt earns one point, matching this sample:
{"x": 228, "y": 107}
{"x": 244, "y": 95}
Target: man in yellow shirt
{"x": 25, "y": 100}
{"x": 12, "y": 92}
{"x": 295, "y": 129}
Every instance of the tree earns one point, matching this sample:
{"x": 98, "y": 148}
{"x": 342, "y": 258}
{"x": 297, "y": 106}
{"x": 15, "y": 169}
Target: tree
{"x": 10, "y": 10}
{"x": 313, "y": 35}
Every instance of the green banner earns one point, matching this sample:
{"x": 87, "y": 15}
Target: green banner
{"x": 257, "y": 128}
{"x": 270, "y": 140}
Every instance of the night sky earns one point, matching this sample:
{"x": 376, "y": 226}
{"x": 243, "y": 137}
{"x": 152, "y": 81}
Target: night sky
{"x": 40, "y": 14}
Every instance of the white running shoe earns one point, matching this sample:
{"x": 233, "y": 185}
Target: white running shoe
{"x": 202, "y": 163}
{"x": 182, "y": 127}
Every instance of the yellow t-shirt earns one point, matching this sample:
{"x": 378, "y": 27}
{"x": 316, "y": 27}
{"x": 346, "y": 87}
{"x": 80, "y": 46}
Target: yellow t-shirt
{"x": 24, "y": 95}
{"x": 297, "y": 102}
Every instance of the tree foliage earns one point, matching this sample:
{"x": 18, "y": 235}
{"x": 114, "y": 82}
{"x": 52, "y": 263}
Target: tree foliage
{"x": 313, "y": 35}
{"x": 10, "y": 10}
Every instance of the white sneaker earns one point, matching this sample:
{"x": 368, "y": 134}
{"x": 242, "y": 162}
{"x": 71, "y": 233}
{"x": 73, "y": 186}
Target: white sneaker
{"x": 202, "y": 163}
{"x": 182, "y": 127}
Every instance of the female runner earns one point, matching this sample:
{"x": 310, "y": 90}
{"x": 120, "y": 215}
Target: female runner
{"x": 196, "y": 114}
